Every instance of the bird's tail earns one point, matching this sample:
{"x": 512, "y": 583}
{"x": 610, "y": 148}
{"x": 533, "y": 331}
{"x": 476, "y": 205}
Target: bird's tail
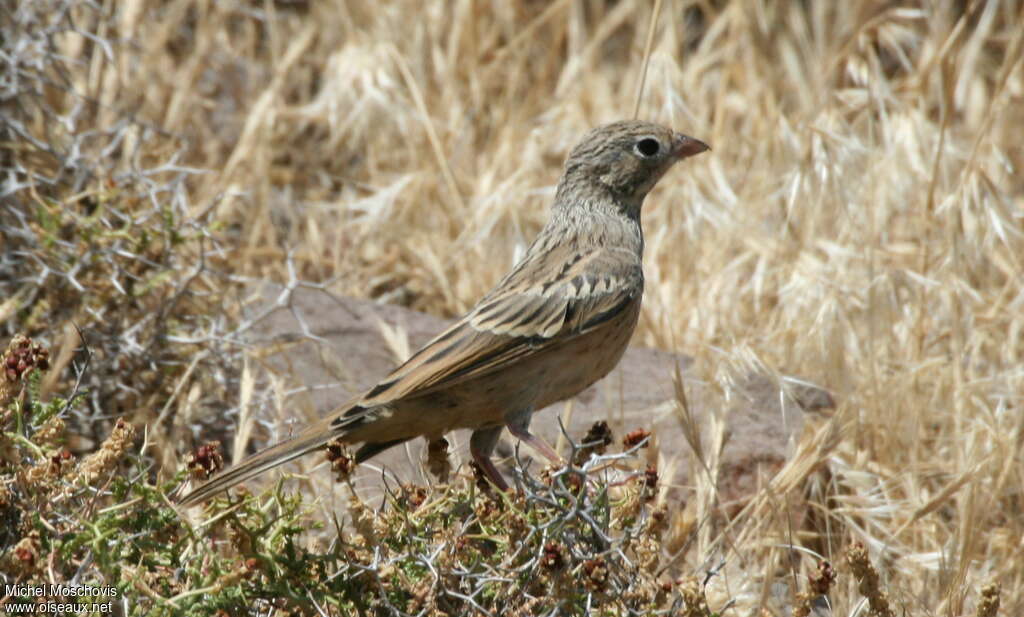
{"x": 308, "y": 440}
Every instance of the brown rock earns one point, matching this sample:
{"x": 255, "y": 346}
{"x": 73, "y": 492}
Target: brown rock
{"x": 342, "y": 351}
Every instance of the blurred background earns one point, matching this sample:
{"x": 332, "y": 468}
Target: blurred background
{"x": 859, "y": 221}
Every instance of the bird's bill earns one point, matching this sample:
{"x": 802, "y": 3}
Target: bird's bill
{"x": 688, "y": 146}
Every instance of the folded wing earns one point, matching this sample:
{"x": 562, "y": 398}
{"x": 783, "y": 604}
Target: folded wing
{"x": 523, "y": 316}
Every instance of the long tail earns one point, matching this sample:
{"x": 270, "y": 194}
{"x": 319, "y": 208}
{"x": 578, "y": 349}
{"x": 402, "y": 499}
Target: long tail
{"x": 308, "y": 440}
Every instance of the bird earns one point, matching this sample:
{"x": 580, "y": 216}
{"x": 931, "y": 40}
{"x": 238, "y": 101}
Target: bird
{"x": 559, "y": 321}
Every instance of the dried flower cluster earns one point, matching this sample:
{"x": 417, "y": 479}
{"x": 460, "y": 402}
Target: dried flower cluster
{"x": 868, "y": 582}
{"x": 22, "y": 356}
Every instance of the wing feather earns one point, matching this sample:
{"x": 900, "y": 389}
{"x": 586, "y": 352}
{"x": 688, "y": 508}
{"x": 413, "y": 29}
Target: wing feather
{"x": 521, "y": 317}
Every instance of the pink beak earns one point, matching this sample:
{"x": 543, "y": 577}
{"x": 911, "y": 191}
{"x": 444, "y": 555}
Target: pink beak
{"x": 684, "y": 146}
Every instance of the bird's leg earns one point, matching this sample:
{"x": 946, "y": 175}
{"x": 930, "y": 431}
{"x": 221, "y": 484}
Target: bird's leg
{"x": 519, "y": 425}
{"x": 481, "y": 445}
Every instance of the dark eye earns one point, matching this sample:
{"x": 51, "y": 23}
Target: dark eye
{"x": 647, "y": 147}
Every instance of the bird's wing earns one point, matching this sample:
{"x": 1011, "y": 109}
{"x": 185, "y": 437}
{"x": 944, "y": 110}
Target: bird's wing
{"x": 526, "y": 314}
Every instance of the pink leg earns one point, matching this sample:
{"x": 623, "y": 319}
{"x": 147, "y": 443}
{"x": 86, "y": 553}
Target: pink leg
{"x": 519, "y": 426}
{"x": 481, "y": 445}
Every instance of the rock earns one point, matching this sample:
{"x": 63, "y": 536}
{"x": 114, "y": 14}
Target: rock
{"x": 343, "y": 351}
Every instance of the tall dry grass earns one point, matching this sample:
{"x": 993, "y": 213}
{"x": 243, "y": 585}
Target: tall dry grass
{"x": 858, "y": 222}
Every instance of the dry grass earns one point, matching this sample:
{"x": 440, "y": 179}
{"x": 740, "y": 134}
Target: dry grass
{"x": 859, "y": 221}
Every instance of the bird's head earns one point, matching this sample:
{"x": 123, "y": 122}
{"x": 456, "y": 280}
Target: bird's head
{"x": 624, "y": 159}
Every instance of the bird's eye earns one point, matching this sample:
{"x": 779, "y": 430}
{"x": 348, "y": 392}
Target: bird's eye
{"x": 647, "y": 147}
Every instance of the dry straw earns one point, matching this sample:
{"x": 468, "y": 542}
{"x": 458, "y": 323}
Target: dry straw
{"x": 858, "y": 223}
